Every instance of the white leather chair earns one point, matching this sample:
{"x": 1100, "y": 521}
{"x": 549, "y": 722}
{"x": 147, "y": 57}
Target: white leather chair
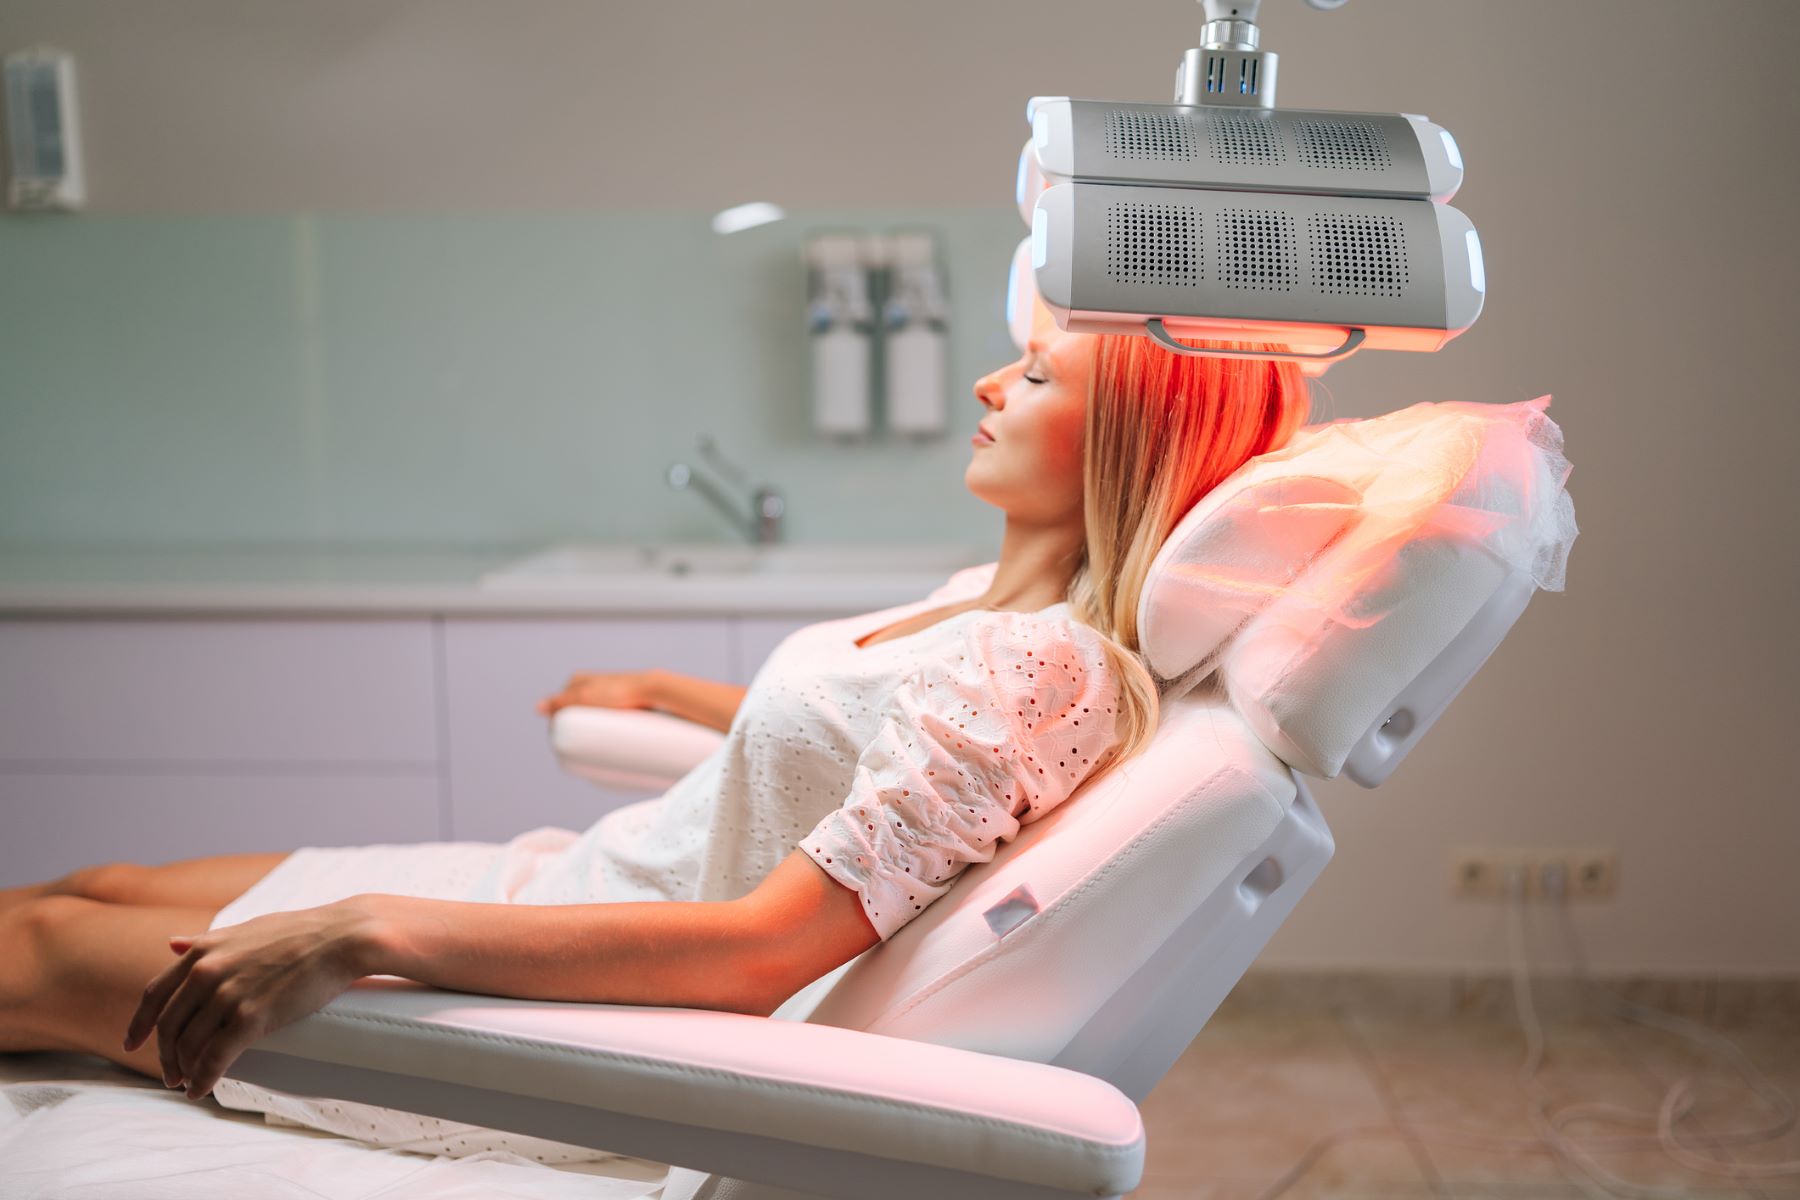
{"x": 998, "y": 1045}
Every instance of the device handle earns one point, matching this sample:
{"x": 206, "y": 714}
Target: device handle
{"x": 1353, "y": 339}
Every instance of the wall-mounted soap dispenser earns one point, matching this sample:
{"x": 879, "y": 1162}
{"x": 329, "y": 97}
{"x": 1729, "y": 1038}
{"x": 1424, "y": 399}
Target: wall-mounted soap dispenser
{"x": 914, "y": 319}
{"x": 42, "y": 134}
{"x": 840, "y": 319}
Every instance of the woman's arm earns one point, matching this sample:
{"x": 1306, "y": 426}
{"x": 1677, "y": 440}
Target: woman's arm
{"x": 698, "y": 954}
{"x": 746, "y": 955}
{"x": 230, "y": 986}
{"x": 705, "y": 701}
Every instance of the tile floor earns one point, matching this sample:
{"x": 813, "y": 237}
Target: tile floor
{"x": 1263, "y": 1082}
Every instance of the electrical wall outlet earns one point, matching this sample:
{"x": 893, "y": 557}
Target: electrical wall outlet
{"x": 1545, "y": 874}
{"x": 1593, "y": 876}
{"x": 1477, "y": 874}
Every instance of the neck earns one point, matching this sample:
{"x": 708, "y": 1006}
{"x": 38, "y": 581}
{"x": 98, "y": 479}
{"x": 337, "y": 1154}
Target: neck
{"x": 1037, "y": 563}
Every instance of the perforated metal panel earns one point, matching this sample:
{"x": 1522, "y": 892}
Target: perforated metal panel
{"x": 1139, "y": 136}
{"x": 1347, "y": 253}
{"x": 1340, "y": 260}
{"x": 1358, "y": 255}
{"x": 1256, "y": 249}
{"x": 1153, "y": 243}
{"x": 1315, "y": 151}
{"x": 1342, "y": 145}
{"x": 1255, "y": 150}
{"x": 1245, "y": 140}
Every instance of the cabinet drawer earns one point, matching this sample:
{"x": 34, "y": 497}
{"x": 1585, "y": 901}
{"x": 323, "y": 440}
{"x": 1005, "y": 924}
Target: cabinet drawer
{"x": 165, "y": 690}
{"x": 54, "y": 823}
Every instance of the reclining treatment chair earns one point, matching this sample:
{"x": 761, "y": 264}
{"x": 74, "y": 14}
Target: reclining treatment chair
{"x": 1329, "y": 600}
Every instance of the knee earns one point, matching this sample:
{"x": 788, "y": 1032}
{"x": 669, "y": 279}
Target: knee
{"x": 28, "y": 936}
{"x": 114, "y": 883}
{"x": 27, "y": 933}
{"x": 40, "y": 921}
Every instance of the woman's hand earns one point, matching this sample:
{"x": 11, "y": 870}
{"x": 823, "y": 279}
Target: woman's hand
{"x": 620, "y": 689}
{"x": 233, "y": 985}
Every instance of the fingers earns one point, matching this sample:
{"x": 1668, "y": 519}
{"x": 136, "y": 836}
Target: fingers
{"x": 572, "y": 693}
{"x": 551, "y": 705}
{"x": 156, "y": 997}
{"x": 202, "y": 980}
{"x": 230, "y": 1038}
{"x": 194, "y": 1039}
{"x": 212, "y": 1040}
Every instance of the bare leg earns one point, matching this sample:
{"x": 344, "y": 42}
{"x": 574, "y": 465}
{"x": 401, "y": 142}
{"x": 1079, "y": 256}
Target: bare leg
{"x": 18, "y": 895}
{"x": 211, "y": 882}
{"x": 72, "y": 971}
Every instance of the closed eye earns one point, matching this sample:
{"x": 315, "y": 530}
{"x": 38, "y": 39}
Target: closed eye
{"x": 1029, "y": 379}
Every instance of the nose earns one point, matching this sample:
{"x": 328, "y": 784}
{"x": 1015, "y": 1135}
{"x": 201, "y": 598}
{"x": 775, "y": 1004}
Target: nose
{"x": 988, "y": 390}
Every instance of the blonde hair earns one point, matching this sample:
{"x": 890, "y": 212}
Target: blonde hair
{"x": 1163, "y": 429}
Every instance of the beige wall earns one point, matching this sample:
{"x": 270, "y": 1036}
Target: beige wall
{"x": 1632, "y": 171}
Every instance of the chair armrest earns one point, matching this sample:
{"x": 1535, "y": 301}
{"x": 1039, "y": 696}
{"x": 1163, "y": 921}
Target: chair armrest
{"x": 814, "y": 1107}
{"x": 631, "y": 748}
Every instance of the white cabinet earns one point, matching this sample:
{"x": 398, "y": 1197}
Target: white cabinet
{"x": 160, "y": 738}
{"x": 176, "y": 689}
{"x": 155, "y": 739}
{"x": 503, "y": 776}
{"x": 52, "y": 823}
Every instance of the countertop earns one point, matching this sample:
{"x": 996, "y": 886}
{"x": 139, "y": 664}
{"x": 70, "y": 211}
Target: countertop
{"x": 395, "y": 580}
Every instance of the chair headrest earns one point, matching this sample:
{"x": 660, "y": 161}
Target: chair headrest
{"x": 1327, "y": 575}
{"x": 1234, "y": 551}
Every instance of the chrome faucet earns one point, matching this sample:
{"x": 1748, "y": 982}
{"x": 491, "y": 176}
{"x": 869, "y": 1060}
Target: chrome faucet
{"x": 763, "y": 526}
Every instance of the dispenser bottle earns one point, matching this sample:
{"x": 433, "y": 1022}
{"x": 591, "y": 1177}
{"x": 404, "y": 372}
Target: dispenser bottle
{"x": 841, "y": 324}
{"x": 914, "y": 318}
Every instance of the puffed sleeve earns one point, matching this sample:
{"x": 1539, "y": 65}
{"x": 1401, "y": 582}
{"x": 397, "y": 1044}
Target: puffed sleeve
{"x": 977, "y": 741}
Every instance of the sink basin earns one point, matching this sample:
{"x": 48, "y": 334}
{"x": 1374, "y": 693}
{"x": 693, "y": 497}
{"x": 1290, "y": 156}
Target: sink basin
{"x": 577, "y": 565}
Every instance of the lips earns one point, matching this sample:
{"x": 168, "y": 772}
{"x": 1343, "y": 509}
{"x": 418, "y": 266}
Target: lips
{"x": 985, "y": 432}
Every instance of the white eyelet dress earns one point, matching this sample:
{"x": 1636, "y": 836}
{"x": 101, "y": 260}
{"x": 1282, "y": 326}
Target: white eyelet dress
{"x": 892, "y": 765}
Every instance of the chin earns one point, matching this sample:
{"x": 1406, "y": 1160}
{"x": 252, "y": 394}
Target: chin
{"x": 975, "y": 487}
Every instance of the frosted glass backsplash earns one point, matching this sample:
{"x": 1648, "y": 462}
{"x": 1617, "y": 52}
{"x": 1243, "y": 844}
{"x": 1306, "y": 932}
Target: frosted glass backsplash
{"x": 451, "y": 379}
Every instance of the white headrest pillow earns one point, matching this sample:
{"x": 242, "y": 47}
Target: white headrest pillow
{"x": 1234, "y": 551}
{"x": 1311, "y": 687}
{"x": 1332, "y": 532}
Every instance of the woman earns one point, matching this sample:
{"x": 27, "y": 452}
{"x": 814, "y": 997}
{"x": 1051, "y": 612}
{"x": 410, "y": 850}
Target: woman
{"x": 869, "y": 762}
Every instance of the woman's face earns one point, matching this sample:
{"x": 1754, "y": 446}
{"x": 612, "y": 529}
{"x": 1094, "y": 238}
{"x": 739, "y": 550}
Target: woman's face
{"x": 1036, "y": 413}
